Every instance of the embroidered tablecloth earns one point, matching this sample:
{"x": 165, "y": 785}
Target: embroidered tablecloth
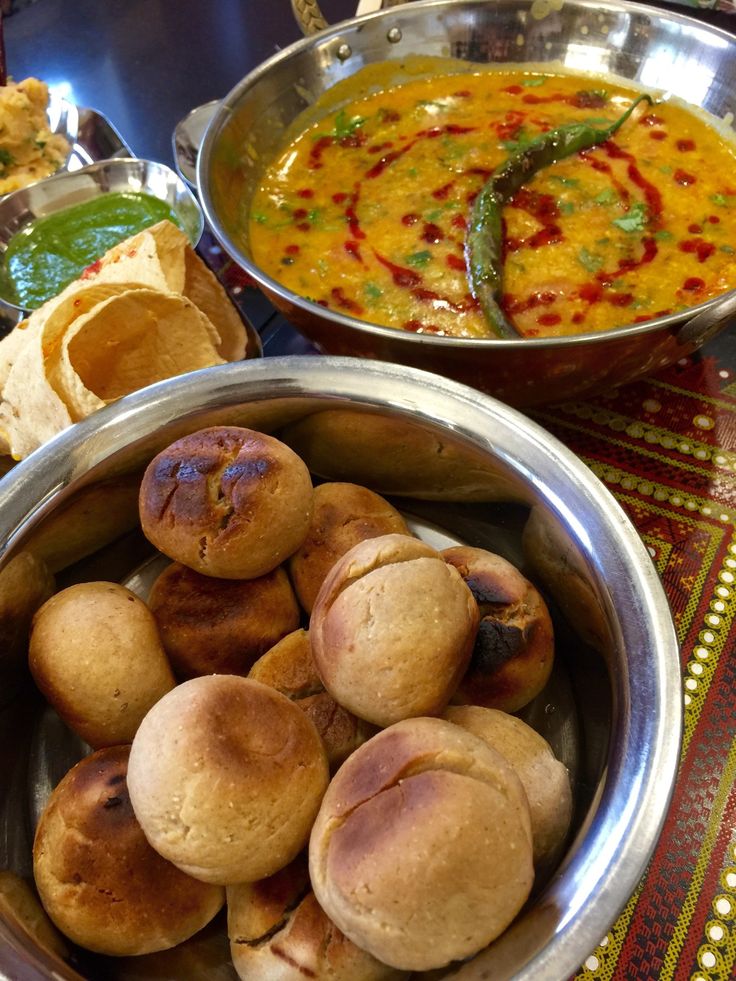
{"x": 666, "y": 448}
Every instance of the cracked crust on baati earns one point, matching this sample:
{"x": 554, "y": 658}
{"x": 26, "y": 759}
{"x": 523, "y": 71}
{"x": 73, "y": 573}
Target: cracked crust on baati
{"x": 227, "y": 502}
{"x": 99, "y": 879}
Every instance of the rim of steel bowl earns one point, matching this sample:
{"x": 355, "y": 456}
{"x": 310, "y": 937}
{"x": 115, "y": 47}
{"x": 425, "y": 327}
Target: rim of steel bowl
{"x": 703, "y": 313}
{"x": 617, "y": 836}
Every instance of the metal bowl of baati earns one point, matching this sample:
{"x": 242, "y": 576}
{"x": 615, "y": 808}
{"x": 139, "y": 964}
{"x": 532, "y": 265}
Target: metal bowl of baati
{"x": 463, "y": 467}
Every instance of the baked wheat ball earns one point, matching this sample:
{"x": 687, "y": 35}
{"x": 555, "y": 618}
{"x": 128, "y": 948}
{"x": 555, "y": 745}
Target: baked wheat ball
{"x": 421, "y": 853}
{"x": 343, "y": 515}
{"x": 279, "y": 932}
{"x": 220, "y": 626}
{"x": 228, "y": 502}
{"x": 392, "y": 630}
{"x": 544, "y": 778}
{"x": 289, "y": 668}
{"x": 96, "y": 655}
{"x": 225, "y": 777}
{"x": 98, "y": 878}
{"x": 514, "y": 649}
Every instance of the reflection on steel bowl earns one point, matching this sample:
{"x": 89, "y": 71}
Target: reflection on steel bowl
{"x": 609, "y": 39}
{"x": 458, "y": 464}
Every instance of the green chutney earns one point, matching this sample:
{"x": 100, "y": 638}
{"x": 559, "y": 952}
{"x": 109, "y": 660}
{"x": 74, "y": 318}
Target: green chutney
{"x": 53, "y": 251}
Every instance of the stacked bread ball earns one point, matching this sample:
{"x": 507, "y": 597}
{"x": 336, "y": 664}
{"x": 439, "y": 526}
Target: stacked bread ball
{"x": 308, "y": 712}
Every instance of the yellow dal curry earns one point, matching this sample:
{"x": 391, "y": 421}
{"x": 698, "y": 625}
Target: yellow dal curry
{"x": 366, "y": 211}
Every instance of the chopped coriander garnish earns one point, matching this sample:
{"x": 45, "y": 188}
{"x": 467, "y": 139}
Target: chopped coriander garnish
{"x": 606, "y": 197}
{"x": 567, "y": 181}
{"x": 634, "y": 220}
{"x": 663, "y": 235}
{"x": 589, "y": 260}
{"x": 534, "y": 82}
{"x": 437, "y": 213}
{"x": 522, "y": 141}
{"x": 344, "y": 126}
{"x": 419, "y": 258}
{"x": 372, "y": 291}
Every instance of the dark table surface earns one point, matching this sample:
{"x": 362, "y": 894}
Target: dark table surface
{"x": 145, "y": 63}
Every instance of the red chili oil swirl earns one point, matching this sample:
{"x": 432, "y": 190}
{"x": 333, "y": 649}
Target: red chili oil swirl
{"x": 509, "y": 127}
{"x": 430, "y": 134}
{"x": 344, "y": 302}
{"x": 351, "y": 213}
{"x": 652, "y": 195}
{"x": 587, "y": 99}
{"x": 432, "y": 233}
{"x": 627, "y": 264}
{"x": 604, "y": 168}
{"x": 699, "y": 247}
{"x": 579, "y": 100}
{"x": 377, "y": 169}
{"x": 511, "y": 305}
{"x": 406, "y": 278}
{"x": 542, "y": 207}
{"x": 549, "y": 319}
{"x": 380, "y": 147}
{"x": 318, "y": 148}
{"x": 411, "y": 280}
{"x": 443, "y": 193}
{"x": 353, "y": 249}
{"x": 682, "y": 177}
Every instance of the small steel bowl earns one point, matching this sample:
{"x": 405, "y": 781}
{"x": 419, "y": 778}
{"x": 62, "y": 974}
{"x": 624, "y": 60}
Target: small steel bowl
{"x": 657, "y": 49}
{"x": 452, "y": 459}
{"x": 67, "y": 188}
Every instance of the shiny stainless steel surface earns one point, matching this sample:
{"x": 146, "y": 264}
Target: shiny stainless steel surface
{"x": 91, "y": 135}
{"x": 187, "y": 139}
{"x": 20, "y": 208}
{"x": 465, "y": 462}
{"x": 656, "y": 49}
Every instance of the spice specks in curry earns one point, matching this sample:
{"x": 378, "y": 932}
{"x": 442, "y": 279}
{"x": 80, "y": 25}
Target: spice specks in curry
{"x": 366, "y": 212}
